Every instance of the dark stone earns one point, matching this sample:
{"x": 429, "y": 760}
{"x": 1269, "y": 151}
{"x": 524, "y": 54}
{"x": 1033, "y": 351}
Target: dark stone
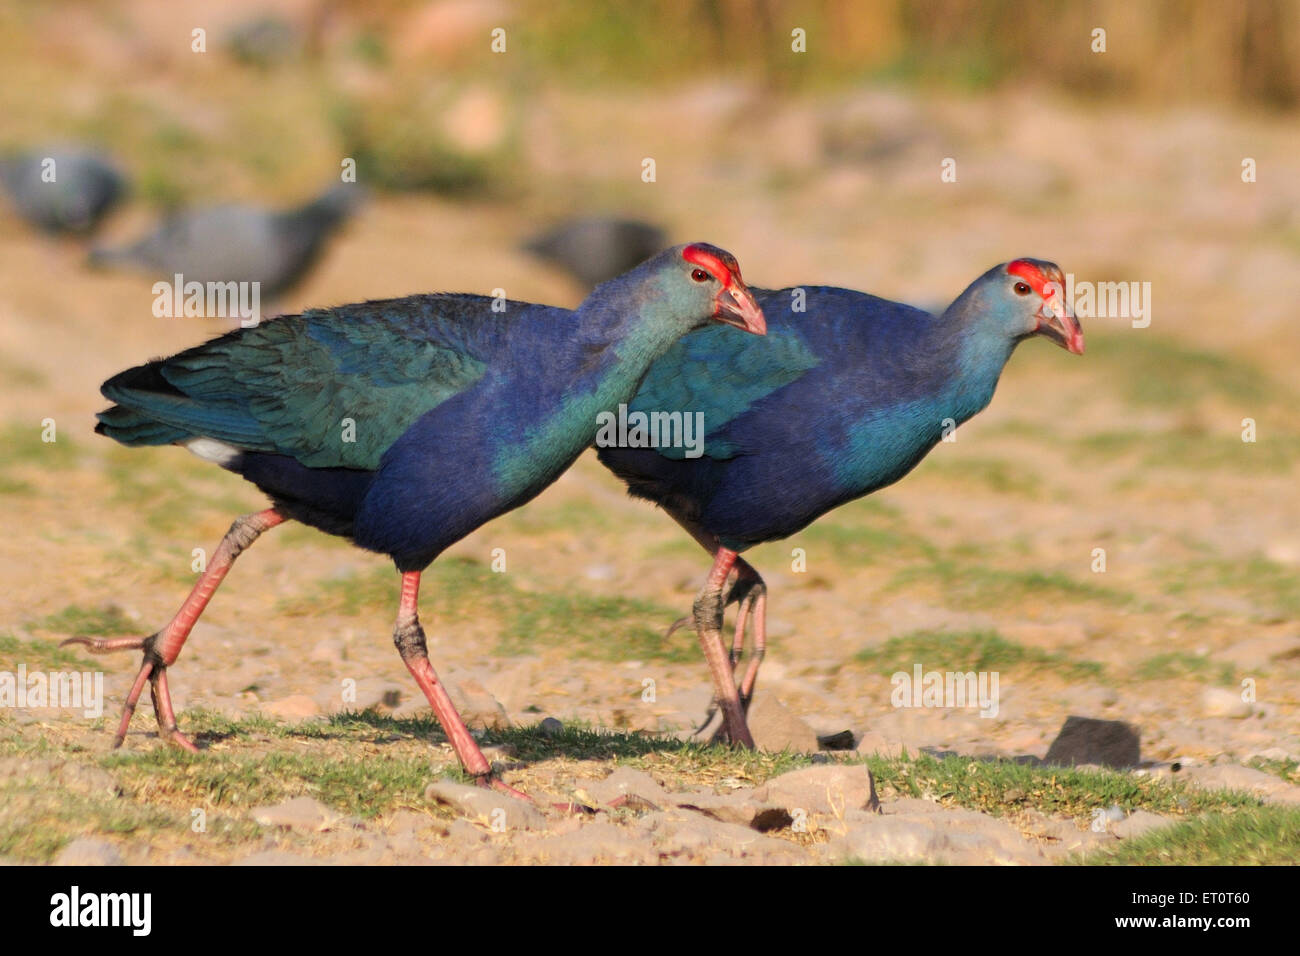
{"x": 841, "y": 741}
{"x": 1110, "y": 743}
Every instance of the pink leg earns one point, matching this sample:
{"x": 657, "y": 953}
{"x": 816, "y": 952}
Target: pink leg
{"x": 750, "y": 593}
{"x": 752, "y": 597}
{"x": 162, "y": 648}
{"x": 409, "y": 638}
{"x": 708, "y": 625}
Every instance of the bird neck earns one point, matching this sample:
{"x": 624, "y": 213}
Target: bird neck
{"x": 983, "y": 353}
{"x": 636, "y": 321}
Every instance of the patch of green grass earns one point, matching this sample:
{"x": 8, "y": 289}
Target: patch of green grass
{"x": 863, "y": 532}
{"x": 605, "y": 627}
{"x": 857, "y": 544}
{"x": 969, "y": 651}
{"x": 1000, "y": 787}
{"x": 19, "y": 375}
{"x": 1258, "y": 836}
{"x": 79, "y": 620}
{"x": 39, "y": 819}
{"x": 1155, "y": 369}
{"x": 39, "y": 655}
{"x": 1270, "y": 585}
{"x": 1002, "y": 477}
{"x": 1193, "y": 448}
{"x": 364, "y": 783}
{"x": 540, "y": 519}
{"x": 1288, "y": 770}
{"x": 1180, "y": 664}
{"x": 577, "y": 741}
{"x": 24, "y": 445}
{"x": 972, "y": 583}
{"x": 171, "y": 491}
{"x": 360, "y": 763}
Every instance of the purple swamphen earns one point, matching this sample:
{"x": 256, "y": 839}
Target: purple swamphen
{"x": 459, "y": 412}
{"x": 841, "y": 398}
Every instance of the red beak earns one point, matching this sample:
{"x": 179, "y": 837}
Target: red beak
{"x": 737, "y": 306}
{"x": 1058, "y": 322}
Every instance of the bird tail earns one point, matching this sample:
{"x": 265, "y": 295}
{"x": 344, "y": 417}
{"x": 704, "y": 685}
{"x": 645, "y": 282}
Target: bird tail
{"x": 132, "y": 427}
{"x": 133, "y": 421}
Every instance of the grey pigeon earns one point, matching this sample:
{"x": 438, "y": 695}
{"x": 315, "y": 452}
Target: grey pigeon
{"x": 595, "y": 249}
{"x": 239, "y": 243}
{"x": 61, "y": 189}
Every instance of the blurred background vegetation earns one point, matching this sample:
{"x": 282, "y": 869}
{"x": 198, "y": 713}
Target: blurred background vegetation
{"x": 412, "y": 90}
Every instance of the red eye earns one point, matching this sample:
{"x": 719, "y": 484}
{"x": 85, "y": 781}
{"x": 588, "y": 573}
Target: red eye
{"x": 1023, "y": 289}
{"x": 699, "y": 275}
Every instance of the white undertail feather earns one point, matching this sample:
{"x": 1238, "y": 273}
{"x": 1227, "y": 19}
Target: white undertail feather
{"x": 209, "y": 449}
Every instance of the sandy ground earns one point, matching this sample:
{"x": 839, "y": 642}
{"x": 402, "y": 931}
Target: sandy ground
{"x": 1134, "y": 447}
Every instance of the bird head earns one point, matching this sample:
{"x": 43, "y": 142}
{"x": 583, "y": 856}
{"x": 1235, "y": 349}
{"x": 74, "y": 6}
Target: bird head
{"x": 1021, "y": 298}
{"x": 1041, "y": 286}
{"x": 710, "y": 277}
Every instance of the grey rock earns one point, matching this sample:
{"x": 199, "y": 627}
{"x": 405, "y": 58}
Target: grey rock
{"x": 300, "y": 813}
{"x": 487, "y": 807}
{"x": 1084, "y": 740}
{"x": 740, "y": 808}
{"x": 934, "y": 835}
{"x": 627, "y": 782}
{"x": 597, "y": 842}
{"x": 829, "y": 789}
{"x": 1267, "y": 787}
{"x": 476, "y": 706}
{"x": 88, "y": 851}
{"x": 551, "y": 727}
{"x": 842, "y": 740}
{"x": 1139, "y": 822}
{"x": 680, "y": 832}
{"x": 775, "y": 728}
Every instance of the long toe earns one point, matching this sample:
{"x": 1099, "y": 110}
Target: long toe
{"x": 101, "y": 645}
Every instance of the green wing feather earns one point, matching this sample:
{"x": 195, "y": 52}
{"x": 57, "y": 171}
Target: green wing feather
{"x": 300, "y": 385}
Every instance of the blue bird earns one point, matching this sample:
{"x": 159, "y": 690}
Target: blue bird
{"x": 841, "y": 398}
{"x": 403, "y": 425}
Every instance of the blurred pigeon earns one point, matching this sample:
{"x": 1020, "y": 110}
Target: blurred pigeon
{"x": 596, "y": 249}
{"x": 62, "y": 189}
{"x": 239, "y": 243}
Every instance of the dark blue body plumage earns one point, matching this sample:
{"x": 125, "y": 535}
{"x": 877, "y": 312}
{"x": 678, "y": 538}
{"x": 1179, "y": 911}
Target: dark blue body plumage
{"x": 405, "y": 424}
{"x": 846, "y": 395}
{"x": 837, "y": 401}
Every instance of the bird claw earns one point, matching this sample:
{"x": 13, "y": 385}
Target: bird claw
{"x": 493, "y": 782}
{"x": 677, "y": 625}
{"x": 155, "y": 672}
{"x": 101, "y": 645}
